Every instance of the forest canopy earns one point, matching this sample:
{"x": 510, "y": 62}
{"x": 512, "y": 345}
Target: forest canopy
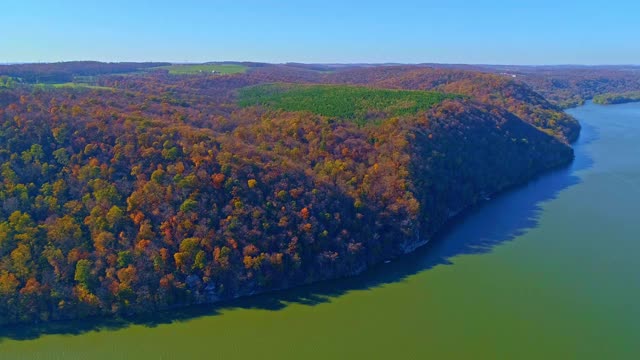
{"x": 169, "y": 190}
{"x": 617, "y": 98}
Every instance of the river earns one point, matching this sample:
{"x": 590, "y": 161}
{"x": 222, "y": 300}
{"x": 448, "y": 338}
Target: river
{"x": 550, "y": 270}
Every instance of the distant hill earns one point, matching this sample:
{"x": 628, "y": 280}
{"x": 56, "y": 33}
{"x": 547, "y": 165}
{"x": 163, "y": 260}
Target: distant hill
{"x": 66, "y": 71}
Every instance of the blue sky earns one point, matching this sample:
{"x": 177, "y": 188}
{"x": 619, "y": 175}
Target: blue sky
{"x": 495, "y": 32}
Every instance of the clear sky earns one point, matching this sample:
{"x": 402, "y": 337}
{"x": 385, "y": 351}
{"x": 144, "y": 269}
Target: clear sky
{"x": 408, "y": 31}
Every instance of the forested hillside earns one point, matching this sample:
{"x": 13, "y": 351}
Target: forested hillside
{"x": 617, "y": 98}
{"x": 492, "y": 89}
{"x": 67, "y": 71}
{"x": 159, "y": 190}
{"x": 568, "y": 86}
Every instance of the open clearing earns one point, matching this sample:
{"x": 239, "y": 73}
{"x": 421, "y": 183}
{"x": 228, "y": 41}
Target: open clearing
{"x": 191, "y": 69}
{"x": 357, "y": 103}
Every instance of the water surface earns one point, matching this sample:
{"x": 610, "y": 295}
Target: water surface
{"x": 549, "y": 270}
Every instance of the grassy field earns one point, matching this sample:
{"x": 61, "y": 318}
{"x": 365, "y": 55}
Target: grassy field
{"x": 204, "y": 68}
{"x": 72, "y": 85}
{"x": 355, "y": 103}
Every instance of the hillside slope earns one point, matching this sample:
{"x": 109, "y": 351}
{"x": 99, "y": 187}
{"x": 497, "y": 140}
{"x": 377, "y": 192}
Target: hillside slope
{"x": 164, "y": 192}
{"x": 492, "y": 89}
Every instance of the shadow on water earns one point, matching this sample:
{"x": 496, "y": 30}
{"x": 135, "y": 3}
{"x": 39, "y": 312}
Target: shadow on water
{"x": 477, "y": 231}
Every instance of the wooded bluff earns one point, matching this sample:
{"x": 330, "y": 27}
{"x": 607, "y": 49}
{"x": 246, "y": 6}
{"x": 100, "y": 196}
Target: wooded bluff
{"x": 138, "y": 192}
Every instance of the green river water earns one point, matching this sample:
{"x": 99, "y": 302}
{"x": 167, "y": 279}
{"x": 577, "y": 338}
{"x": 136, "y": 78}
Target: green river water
{"x": 550, "y": 270}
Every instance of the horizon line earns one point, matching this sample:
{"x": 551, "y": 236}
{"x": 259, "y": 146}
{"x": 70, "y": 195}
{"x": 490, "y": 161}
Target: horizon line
{"x": 390, "y": 63}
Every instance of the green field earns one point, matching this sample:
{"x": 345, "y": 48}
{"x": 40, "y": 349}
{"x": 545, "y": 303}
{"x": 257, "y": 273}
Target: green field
{"x": 72, "y": 85}
{"x": 81, "y": 86}
{"x": 357, "y": 103}
{"x": 8, "y": 82}
{"x": 224, "y": 69}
